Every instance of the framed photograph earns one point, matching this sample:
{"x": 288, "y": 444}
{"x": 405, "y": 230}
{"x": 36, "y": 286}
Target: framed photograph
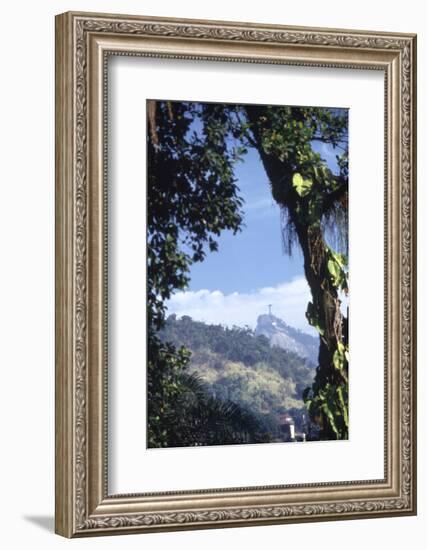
{"x": 235, "y": 274}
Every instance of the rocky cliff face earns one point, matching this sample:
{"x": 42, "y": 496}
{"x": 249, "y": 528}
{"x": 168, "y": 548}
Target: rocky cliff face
{"x": 286, "y": 337}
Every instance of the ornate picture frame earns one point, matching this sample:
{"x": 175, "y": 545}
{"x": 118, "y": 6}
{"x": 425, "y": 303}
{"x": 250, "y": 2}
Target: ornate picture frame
{"x": 84, "y": 42}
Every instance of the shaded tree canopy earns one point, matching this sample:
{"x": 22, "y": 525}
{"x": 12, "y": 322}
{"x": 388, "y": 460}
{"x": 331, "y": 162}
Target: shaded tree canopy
{"x": 193, "y": 197}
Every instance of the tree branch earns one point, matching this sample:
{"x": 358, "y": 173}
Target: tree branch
{"x": 337, "y": 194}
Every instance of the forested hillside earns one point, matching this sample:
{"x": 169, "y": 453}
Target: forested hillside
{"x": 239, "y": 367}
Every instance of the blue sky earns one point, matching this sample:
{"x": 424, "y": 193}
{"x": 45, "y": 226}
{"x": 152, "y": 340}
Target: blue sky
{"x": 252, "y": 258}
{"x": 250, "y": 270}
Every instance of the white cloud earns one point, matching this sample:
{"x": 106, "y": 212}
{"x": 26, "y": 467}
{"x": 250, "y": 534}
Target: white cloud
{"x": 262, "y": 207}
{"x": 289, "y": 302}
{"x": 264, "y": 203}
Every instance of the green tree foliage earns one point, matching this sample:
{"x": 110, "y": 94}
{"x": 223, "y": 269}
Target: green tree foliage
{"x": 192, "y": 197}
{"x": 237, "y": 366}
{"x": 206, "y": 420}
{"x": 313, "y": 201}
{"x": 235, "y": 345}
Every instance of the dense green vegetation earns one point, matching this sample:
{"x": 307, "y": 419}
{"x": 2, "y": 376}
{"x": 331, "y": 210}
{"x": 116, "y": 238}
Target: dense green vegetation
{"x": 187, "y": 176}
{"x": 193, "y": 197}
{"x": 235, "y": 366}
{"x": 215, "y": 346}
{"x": 314, "y": 203}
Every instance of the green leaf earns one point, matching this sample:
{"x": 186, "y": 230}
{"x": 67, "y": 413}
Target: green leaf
{"x": 302, "y": 186}
{"x": 343, "y": 405}
{"x": 331, "y": 418}
{"x": 335, "y": 270}
{"x": 305, "y": 395}
{"x": 337, "y": 360}
{"x": 313, "y": 318}
{"x": 316, "y": 172}
{"x": 341, "y": 259}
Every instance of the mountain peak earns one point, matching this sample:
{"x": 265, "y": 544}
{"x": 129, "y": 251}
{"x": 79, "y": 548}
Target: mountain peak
{"x": 269, "y": 319}
{"x": 284, "y": 336}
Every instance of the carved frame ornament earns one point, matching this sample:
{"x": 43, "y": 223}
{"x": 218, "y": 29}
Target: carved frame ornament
{"x": 83, "y": 43}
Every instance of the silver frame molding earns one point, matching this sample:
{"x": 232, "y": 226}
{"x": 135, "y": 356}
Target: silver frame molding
{"x": 83, "y": 43}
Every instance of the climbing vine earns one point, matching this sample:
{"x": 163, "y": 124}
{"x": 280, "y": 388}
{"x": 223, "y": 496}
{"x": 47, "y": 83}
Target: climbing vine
{"x": 313, "y": 199}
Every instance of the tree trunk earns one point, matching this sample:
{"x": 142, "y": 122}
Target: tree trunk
{"x": 325, "y": 306}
